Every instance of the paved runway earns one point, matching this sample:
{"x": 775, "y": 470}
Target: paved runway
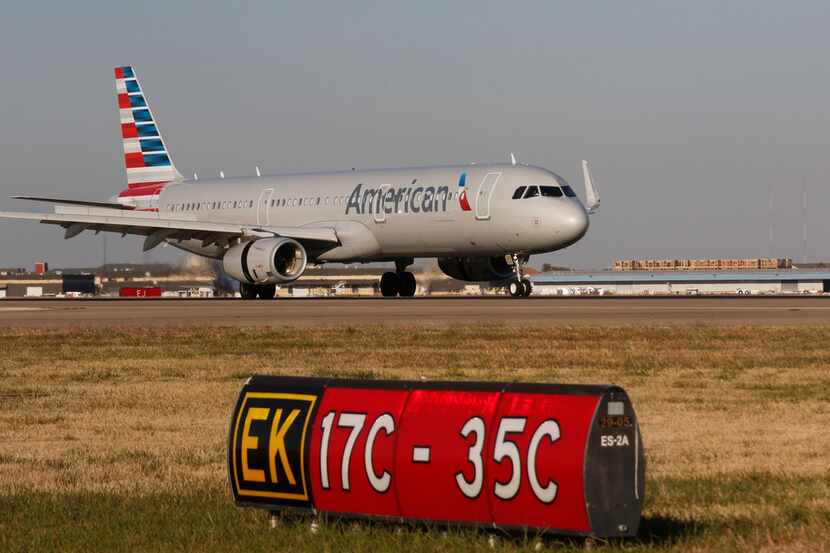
{"x": 337, "y": 311}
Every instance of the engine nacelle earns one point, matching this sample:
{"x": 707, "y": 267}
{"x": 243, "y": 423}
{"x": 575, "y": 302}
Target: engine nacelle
{"x": 266, "y": 261}
{"x": 476, "y": 269}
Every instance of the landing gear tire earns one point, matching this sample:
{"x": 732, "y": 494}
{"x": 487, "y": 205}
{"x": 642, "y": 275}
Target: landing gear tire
{"x": 390, "y": 285}
{"x": 521, "y": 286}
{"x": 516, "y": 288}
{"x": 247, "y": 291}
{"x": 267, "y": 291}
{"x": 407, "y": 284}
{"x": 527, "y": 288}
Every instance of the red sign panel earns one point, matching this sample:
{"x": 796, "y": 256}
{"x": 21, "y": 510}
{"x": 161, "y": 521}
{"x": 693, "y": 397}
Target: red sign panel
{"x": 441, "y": 455}
{"x": 353, "y": 446}
{"x": 566, "y": 458}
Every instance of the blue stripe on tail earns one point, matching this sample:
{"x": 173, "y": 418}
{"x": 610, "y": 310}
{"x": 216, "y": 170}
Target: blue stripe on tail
{"x": 147, "y": 130}
{"x": 156, "y": 160}
{"x": 137, "y": 101}
{"x": 151, "y": 145}
{"x": 142, "y": 115}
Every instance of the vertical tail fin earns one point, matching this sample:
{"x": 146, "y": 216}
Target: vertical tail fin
{"x": 146, "y": 157}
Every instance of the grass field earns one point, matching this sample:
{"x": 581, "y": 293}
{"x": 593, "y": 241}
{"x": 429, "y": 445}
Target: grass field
{"x": 115, "y": 439}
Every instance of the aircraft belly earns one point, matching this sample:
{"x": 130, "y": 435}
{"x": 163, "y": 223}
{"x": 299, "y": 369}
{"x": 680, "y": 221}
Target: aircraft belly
{"x": 195, "y": 247}
{"x": 358, "y": 242}
{"x": 427, "y": 237}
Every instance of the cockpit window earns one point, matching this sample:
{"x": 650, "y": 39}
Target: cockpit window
{"x": 518, "y": 193}
{"x": 551, "y": 191}
{"x": 532, "y": 192}
{"x": 569, "y": 192}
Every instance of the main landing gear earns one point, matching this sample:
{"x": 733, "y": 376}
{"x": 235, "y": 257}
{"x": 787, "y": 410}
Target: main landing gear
{"x": 400, "y": 283}
{"x": 254, "y": 291}
{"x": 520, "y": 287}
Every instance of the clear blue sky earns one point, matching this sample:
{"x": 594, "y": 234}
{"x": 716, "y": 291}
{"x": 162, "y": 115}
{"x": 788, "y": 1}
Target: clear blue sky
{"x": 689, "y": 112}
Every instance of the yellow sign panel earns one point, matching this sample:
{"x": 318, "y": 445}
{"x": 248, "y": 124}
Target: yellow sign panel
{"x": 269, "y": 442}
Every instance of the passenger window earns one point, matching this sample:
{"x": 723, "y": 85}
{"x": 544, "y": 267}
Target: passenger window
{"x": 518, "y": 193}
{"x": 551, "y": 191}
{"x": 532, "y": 192}
{"x": 569, "y": 192}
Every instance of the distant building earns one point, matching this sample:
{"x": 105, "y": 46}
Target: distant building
{"x": 682, "y": 283}
{"x": 79, "y": 284}
{"x": 702, "y": 264}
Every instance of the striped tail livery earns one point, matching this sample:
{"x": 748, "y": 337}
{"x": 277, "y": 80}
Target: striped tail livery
{"x": 146, "y": 158}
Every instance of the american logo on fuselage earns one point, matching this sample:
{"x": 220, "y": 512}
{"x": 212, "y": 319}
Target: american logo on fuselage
{"x": 397, "y": 199}
{"x": 463, "y": 202}
{"x": 269, "y": 445}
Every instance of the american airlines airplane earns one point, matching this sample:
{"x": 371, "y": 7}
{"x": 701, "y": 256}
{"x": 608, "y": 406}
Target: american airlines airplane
{"x": 481, "y": 221}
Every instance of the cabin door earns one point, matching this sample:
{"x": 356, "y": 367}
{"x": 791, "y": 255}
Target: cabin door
{"x": 263, "y": 214}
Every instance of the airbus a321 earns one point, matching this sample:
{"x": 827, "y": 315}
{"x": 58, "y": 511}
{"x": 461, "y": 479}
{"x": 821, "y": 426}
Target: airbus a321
{"x": 481, "y": 221}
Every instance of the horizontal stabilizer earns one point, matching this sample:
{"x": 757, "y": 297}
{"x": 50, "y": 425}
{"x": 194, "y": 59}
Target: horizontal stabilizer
{"x": 65, "y": 201}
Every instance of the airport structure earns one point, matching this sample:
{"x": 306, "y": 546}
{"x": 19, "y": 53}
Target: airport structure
{"x": 702, "y": 264}
{"x": 682, "y": 283}
{"x": 203, "y": 280}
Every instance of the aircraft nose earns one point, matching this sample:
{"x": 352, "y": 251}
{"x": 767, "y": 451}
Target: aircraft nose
{"x": 573, "y": 223}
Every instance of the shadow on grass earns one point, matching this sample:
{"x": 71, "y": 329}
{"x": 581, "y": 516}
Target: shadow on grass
{"x": 655, "y": 532}
{"x": 662, "y": 530}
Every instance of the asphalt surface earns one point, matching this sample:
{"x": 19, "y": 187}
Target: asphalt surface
{"x": 439, "y": 311}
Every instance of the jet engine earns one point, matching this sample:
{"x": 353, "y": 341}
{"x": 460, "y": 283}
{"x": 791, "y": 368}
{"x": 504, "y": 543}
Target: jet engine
{"x": 266, "y": 261}
{"x": 476, "y": 268}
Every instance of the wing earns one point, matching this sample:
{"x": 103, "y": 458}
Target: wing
{"x": 157, "y": 229}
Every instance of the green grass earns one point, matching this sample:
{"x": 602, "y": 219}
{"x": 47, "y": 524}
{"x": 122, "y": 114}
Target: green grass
{"x": 112, "y": 443}
{"x": 676, "y": 519}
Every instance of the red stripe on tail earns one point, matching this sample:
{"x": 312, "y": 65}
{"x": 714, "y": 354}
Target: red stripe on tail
{"x": 146, "y": 184}
{"x": 129, "y": 130}
{"x": 134, "y": 160}
{"x": 150, "y": 190}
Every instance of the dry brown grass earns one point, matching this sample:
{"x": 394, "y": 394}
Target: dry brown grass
{"x": 131, "y": 413}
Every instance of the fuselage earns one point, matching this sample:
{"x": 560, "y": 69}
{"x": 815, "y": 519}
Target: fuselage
{"x": 463, "y": 210}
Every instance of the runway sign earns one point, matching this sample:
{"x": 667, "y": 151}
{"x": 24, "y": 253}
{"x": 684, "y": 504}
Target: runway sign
{"x": 566, "y": 458}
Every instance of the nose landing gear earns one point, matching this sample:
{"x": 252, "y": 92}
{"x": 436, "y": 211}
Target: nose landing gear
{"x": 520, "y": 287}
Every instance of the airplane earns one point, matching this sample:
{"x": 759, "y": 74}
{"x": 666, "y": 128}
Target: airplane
{"x": 481, "y": 221}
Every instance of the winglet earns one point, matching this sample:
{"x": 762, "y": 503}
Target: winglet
{"x": 591, "y": 192}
